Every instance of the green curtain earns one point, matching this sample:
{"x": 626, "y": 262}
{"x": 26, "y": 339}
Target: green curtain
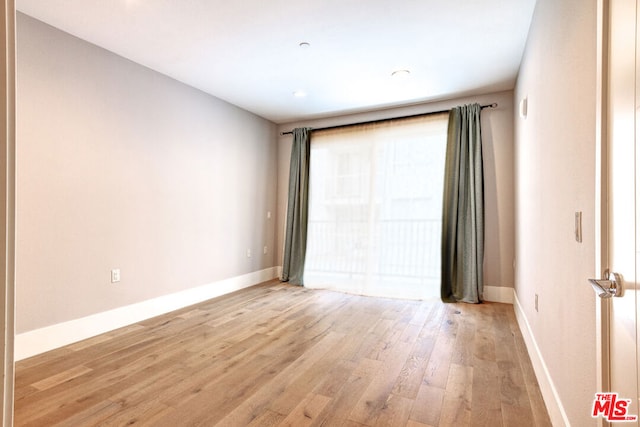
{"x": 295, "y": 245}
{"x": 463, "y": 208}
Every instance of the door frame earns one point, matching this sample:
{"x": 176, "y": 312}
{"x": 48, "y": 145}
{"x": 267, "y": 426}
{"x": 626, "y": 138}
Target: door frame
{"x": 602, "y": 201}
{"x": 7, "y": 209}
{"x": 601, "y": 193}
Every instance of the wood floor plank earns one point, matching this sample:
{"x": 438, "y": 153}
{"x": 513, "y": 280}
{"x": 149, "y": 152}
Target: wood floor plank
{"x": 304, "y": 380}
{"x": 307, "y": 411}
{"x": 333, "y": 380}
{"x": 56, "y": 404}
{"x": 456, "y": 406}
{"x": 517, "y": 416}
{"x": 485, "y": 391}
{"x": 93, "y": 415}
{"x": 426, "y": 340}
{"x": 437, "y": 370}
{"x": 146, "y": 411}
{"x": 89, "y": 342}
{"x": 339, "y": 408}
{"x": 428, "y": 405}
{"x": 408, "y": 381}
{"x": 224, "y": 393}
{"x": 282, "y": 393}
{"x": 267, "y": 419}
{"x": 462, "y": 352}
{"x": 377, "y": 394}
{"x": 61, "y": 377}
{"x": 275, "y": 354}
{"x": 42, "y": 366}
{"x": 395, "y": 412}
{"x": 229, "y": 391}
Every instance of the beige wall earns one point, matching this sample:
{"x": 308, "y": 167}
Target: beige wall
{"x": 555, "y": 166}
{"x": 121, "y": 167}
{"x": 497, "y": 132}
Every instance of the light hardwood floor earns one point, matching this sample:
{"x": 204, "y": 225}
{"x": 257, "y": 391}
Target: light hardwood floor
{"x": 275, "y": 354}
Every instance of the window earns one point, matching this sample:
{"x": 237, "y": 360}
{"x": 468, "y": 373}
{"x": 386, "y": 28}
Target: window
{"x": 375, "y": 208}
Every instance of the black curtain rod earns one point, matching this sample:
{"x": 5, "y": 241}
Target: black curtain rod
{"x": 494, "y": 105}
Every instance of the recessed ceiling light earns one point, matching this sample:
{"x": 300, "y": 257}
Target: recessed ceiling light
{"x": 299, "y": 94}
{"x": 399, "y": 74}
{"x": 305, "y": 45}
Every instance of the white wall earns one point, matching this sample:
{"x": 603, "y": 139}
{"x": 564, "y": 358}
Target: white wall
{"x": 497, "y": 135}
{"x": 555, "y": 166}
{"x": 121, "y": 167}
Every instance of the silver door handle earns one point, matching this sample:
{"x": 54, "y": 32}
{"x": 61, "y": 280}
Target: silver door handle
{"x": 607, "y": 288}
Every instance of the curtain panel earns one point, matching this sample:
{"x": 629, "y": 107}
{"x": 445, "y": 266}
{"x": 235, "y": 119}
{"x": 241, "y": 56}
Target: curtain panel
{"x": 463, "y": 208}
{"x": 295, "y": 245}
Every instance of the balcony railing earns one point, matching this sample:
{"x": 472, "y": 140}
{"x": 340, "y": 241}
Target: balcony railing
{"x": 408, "y": 249}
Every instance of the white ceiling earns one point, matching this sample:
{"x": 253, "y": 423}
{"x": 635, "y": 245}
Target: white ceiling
{"x": 247, "y": 51}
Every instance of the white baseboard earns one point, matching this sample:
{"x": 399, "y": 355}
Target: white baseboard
{"x": 547, "y": 388}
{"x": 498, "y": 294}
{"x": 38, "y": 341}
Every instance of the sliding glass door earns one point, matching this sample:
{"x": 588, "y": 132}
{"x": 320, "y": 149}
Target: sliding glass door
{"x": 375, "y": 208}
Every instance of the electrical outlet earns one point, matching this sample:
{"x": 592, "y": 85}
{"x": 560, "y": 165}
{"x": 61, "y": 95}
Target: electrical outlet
{"x": 115, "y": 275}
{"x": 248, "y": 253}
{"x": 264, "y": 250}
{"x": 536, "y": 303}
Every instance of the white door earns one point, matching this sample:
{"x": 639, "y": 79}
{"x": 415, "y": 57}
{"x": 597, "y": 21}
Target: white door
{"x": 620, "y": 237}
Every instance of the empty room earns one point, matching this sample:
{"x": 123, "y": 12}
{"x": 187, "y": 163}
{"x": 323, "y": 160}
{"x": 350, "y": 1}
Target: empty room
{"x": 323, "y": 213}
